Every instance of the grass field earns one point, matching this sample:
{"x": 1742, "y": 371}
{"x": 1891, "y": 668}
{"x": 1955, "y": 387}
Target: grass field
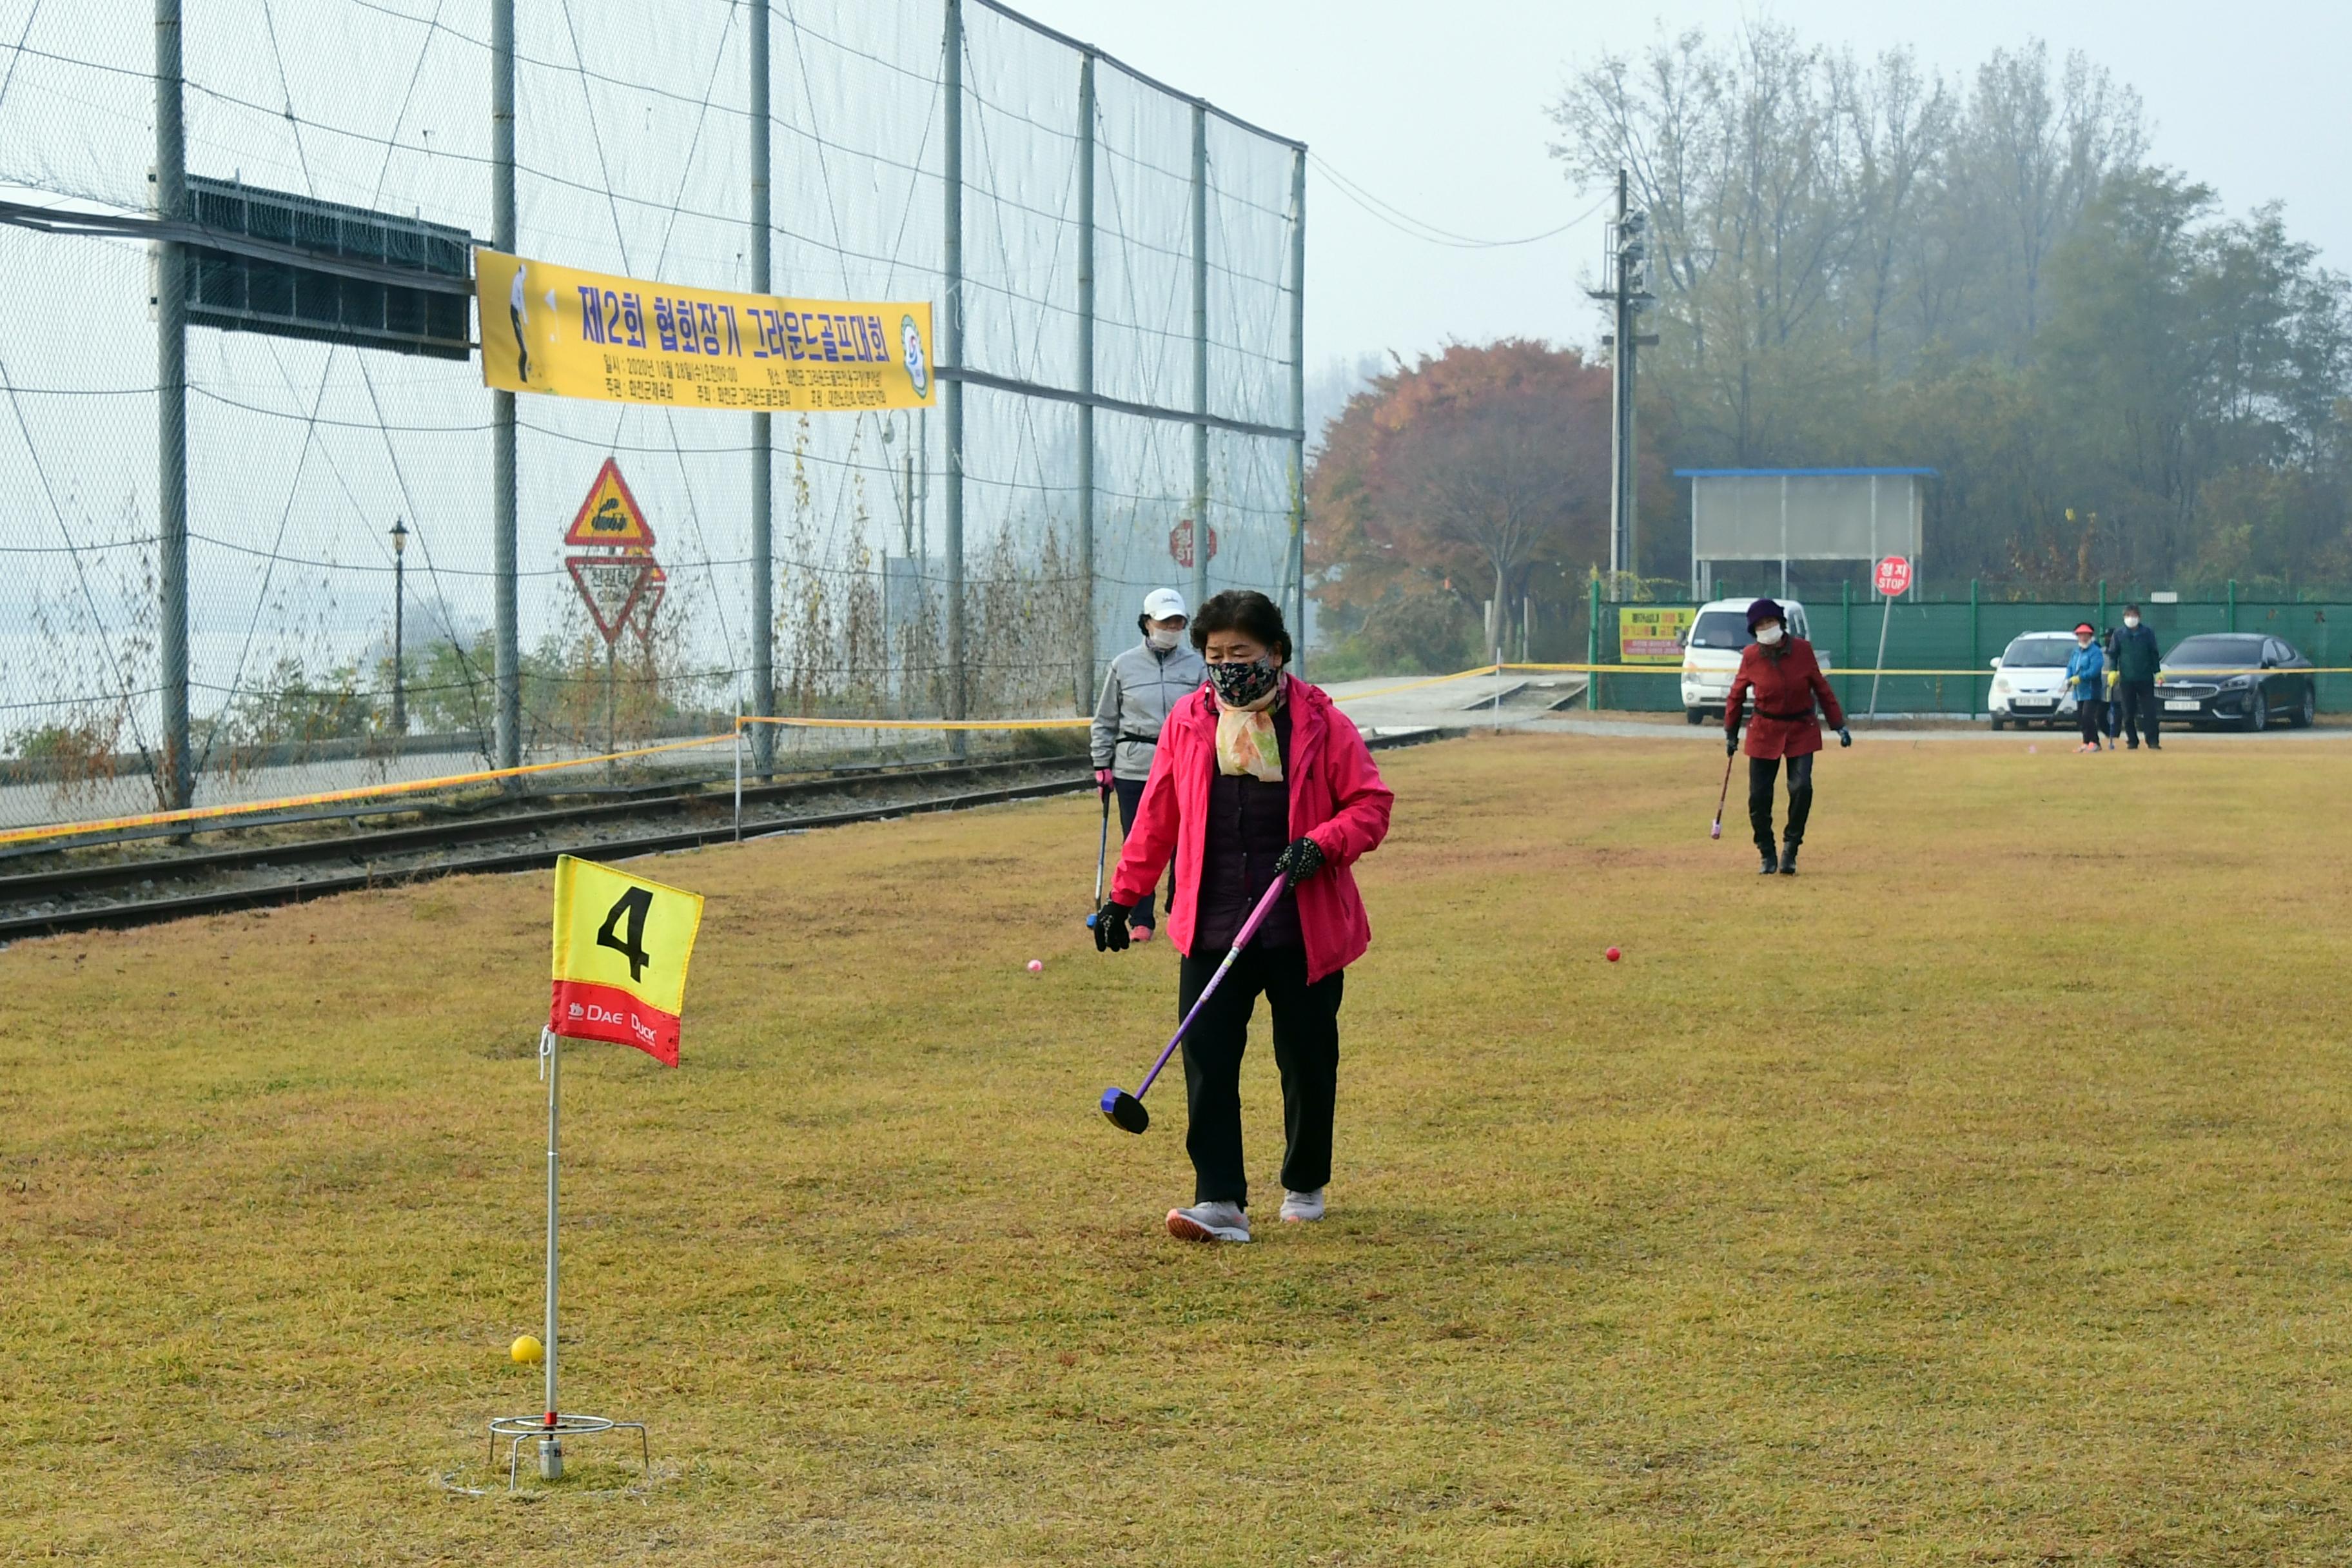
{"x": 1981, "y": 1196}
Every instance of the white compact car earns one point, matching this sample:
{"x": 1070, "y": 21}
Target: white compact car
{"x": 1711, "y": 653}
{"x": 2029, "y": 683}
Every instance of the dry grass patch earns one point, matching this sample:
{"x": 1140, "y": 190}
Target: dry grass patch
{"x": 1978, "y": 1196}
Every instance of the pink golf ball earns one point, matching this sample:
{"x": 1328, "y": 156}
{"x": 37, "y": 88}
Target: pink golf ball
{"x": 1613, "y": 956}
{"x": 1036, "y": 966}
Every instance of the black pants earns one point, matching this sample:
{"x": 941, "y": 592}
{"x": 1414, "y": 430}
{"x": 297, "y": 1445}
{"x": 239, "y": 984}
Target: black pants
{"x": 1305, "y": 1049}
{"x": 1131, "y": 795}
{"x": 2092, "y": 715}
{"x": 1761, "y": 772}
{"x": 2138, "y": 703}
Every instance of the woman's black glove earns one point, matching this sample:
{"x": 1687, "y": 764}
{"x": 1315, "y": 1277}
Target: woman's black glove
{"x": 1845, "y": 736}
{"x": 1110, "y": 926}
{"x": 1731, "y": 744}
{"x": 1300, "y": 861}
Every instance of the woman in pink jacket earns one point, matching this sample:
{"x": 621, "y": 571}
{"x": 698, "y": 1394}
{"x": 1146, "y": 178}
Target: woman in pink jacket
{"x": 1257, "y": 777}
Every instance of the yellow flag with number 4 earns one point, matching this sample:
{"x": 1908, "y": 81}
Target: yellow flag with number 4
{"x": 622, "y": 944}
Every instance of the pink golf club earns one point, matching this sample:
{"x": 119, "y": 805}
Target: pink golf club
{"x": 1126, "y": 1111}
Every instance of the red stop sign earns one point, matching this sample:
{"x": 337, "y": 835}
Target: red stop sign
{"x": 1180, "y": 542}
{"x": 1893, "y": 576}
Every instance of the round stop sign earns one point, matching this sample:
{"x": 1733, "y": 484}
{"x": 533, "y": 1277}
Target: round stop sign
{"x": 1893, "y": 576}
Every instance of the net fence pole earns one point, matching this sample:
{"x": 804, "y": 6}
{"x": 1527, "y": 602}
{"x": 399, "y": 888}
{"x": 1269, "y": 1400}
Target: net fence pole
{"x": 1084, "y": 696}
{"x": 952, "y": 333}
{"x": 1298, "y": 401}
{"x": 172, "y": 410}
{"x": 504, "y": 590}
{"x": 1200, "y": 354}
{"x": 763, "y": 566}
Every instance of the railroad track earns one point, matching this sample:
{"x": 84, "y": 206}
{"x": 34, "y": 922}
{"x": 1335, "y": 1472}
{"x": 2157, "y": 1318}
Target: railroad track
{"x": 69, "y": 898}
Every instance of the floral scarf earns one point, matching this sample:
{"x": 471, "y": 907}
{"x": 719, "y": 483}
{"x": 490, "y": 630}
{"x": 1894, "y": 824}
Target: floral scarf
{"x": 1247, "y": 744}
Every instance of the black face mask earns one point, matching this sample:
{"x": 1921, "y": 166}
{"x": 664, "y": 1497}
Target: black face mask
{"x": 1241, "y": 684}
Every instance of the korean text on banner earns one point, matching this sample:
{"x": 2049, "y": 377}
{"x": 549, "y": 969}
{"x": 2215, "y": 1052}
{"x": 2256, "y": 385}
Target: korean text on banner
{"x": 621, "y": 949}
{"x": 1652, "y": 633}
{"x": 588, "y": 334}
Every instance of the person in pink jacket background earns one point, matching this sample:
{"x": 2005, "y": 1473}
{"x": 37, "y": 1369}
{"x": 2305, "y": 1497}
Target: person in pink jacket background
{"x": 1257, "y": 777}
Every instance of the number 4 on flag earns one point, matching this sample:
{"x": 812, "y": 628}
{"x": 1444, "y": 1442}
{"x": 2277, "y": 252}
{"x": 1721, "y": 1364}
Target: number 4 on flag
{"x": 622, "y": 944}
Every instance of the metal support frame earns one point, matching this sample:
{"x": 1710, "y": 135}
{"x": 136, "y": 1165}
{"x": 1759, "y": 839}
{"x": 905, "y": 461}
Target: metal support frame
{"x": 504, "y": 590}
{"x": 952, "y": 343}
{"x": 1200, "y": 354}
{"x": 172, "y": 410}
{"x": 763, "y": 563}
{"x": 1083, "y": 688}
{"x": 552, "y": 1427}
{"x": 1298, "y": 405}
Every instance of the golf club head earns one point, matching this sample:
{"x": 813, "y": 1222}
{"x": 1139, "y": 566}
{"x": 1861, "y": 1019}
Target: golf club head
{"x": 1090, "y": 923}
{"x": 1717, "y": 831}
{"x": 1126, "y": 1112}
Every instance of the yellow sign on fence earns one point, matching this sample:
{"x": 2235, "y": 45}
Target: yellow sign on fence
{"x": 1652, "y": 633}
{"x": 588, "y": 334}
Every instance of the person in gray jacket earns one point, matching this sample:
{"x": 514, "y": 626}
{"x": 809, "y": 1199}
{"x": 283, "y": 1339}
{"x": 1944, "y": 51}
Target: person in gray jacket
{"x": 1141, "y": 686}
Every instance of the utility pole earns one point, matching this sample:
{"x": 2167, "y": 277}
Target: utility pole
{"x": 952, "y": 354}
{"x": 1626, "y": 292}
{"x": 506, "y": 599}
{"x": 1298, "y": 405}
{"x": 1199, "y": 355}
{"x": 763, "y": 562}
{"x": 172, "y": 409}
{"x": 1084, "y": 685}
{"x": 399, "y": 627}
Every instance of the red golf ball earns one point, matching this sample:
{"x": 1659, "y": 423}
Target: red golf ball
{"x": 1612, "y": 956}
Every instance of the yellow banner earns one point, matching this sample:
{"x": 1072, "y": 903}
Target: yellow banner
{"x": 1652, "y": 633}
{"x": 588, "y": 334}
{"x": 622, "y": 944}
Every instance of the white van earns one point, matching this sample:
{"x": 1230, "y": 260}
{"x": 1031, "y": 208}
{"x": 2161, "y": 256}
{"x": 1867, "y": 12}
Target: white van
{"x": 1711, "y": 651}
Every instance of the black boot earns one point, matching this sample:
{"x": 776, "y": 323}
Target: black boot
{"x": 1772, "y": 863}
{"x": 1788, "y": 867}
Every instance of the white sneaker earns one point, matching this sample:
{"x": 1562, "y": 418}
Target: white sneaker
{"x": 1220, "y": 1221}
{"x": 1299, "y": 1208}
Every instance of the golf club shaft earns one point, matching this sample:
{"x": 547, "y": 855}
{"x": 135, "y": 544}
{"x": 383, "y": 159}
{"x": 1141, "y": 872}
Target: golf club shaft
{"x": 1249, "y": 929}
{"x": 1102, "y": 848}
{"x": 1725, "y": 793}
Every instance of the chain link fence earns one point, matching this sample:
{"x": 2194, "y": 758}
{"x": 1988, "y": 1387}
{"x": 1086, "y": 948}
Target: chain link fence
{"x": 1097, "y": 209}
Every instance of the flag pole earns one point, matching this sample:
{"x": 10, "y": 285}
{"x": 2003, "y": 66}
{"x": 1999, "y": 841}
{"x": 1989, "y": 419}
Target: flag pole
{"x": 551, "y": 1449}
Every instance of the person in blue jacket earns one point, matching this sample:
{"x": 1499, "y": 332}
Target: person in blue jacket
{"x": 2087, "y": 677}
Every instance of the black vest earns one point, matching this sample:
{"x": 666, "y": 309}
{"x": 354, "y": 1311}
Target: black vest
{"x": 1248, "y": 830}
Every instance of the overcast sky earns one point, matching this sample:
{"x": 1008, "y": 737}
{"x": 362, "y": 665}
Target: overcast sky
{"x": 1439, "y": 110}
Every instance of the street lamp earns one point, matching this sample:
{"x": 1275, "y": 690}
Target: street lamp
{"x": 399, "y": 604}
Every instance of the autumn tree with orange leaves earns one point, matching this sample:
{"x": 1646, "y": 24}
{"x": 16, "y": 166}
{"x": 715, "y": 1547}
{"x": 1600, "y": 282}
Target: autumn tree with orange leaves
{"x": 1480, "y": 473}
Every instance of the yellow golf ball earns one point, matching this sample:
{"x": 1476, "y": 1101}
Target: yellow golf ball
{"x": 527, "y": 1352}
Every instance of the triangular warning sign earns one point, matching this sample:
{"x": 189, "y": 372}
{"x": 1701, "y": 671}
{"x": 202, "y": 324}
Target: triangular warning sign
{"x": 610, "y": 515}
{"x": 610, "y": 586}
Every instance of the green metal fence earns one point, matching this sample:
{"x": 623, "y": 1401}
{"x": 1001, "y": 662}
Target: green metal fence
{"x": 1964, "y": 635}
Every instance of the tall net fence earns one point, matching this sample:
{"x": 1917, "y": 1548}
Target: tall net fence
{"x": 326, "y": 651}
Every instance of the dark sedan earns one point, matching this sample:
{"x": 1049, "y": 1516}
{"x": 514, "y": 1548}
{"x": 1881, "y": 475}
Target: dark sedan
{"x": 2236, "y": 677}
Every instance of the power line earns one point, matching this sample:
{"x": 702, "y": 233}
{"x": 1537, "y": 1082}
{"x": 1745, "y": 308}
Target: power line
{"x": 1429, "y": 233}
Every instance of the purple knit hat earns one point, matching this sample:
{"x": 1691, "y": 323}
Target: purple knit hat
{"x": 1764, "y": 610}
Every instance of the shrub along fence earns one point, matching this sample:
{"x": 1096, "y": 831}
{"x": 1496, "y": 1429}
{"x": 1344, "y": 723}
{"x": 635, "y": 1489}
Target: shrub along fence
{"x": 1963, "y": 637}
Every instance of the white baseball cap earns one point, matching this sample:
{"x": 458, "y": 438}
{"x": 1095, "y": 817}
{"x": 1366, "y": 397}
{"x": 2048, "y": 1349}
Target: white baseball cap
{"x": 1161, "y": 603}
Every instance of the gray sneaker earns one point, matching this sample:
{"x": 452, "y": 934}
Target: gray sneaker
{"x": 1219, "y": 1220}
{"x": 1299, "y": 1208}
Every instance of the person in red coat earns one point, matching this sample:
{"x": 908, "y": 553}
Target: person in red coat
{"x": 1779, "y": 670}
